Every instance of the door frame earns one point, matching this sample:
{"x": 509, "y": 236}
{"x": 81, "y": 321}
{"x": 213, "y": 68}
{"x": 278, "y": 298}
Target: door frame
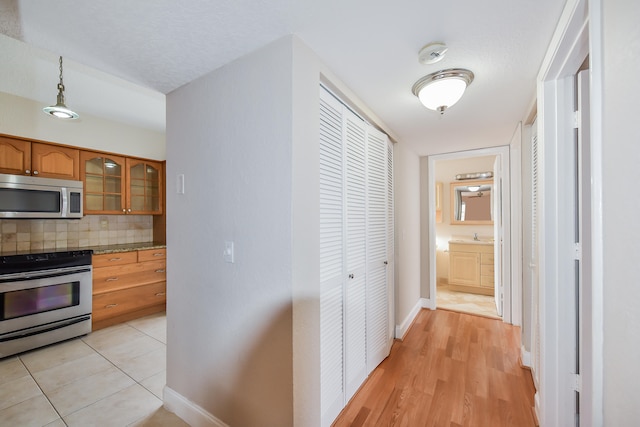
{"x": 578, "y": 34}
{"x": 509, "y": 240}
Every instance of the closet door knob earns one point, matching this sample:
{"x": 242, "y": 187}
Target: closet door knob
{"x": 351, "y": 276}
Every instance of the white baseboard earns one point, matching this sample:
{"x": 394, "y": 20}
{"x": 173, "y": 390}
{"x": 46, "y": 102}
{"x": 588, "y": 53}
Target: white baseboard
{"x": 402, "y": 329}
{"x": 525, "y": 357}
{"x": 191, "y": 413}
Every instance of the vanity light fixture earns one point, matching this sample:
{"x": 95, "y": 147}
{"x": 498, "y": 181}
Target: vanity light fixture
{"x": 473, "y": 188}
{"x": 60, "y": 110}
{"x": 442, "y": 89}
{"x": 474, "y": 175}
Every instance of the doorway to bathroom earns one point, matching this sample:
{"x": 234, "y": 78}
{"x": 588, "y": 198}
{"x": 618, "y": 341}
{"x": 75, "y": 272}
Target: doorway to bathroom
{"x": 470, "y": 251}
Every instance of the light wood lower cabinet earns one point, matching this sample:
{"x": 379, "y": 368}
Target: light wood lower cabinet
{"x": 471, "y": 267}
{"x": 128, "y": 285}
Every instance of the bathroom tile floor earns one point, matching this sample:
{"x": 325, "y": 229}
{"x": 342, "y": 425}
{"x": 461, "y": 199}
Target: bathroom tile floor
{"x": 463, "y": 302}
{"x": 111, "y": 377}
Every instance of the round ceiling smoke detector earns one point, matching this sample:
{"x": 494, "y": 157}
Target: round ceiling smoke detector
{"x": 432, "y": 53}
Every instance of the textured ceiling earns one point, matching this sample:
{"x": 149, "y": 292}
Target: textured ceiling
{"x": 147, "y": 48}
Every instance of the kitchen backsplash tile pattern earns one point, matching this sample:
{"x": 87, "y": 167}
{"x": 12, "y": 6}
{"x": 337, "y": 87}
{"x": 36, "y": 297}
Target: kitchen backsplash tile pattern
{"x": 92, "y": 230}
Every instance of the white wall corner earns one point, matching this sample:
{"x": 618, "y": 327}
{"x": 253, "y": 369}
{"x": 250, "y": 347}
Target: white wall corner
{"x": 402, "y": 329}
{"x": 525, "y": 357}
{"x": 188, "y": 411}
{"x": 429, "y": 303}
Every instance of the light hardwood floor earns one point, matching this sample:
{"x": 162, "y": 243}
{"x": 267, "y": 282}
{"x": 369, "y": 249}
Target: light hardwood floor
{"x": 452, "y": 369}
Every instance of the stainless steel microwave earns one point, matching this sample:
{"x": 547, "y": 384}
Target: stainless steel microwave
{"x": 31, "y": 197}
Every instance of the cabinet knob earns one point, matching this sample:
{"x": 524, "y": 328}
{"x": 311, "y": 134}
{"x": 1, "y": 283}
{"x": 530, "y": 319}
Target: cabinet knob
{"x": 112, "y": 279}
{"x": 160, "y": 271}
{"x": 129, "y": 210}
{"x": 36, "y": 172}
{"x": 110, "y": 305}
{"x": 124, "y": 210}
{"x": 28, "y": 172}
{"x": 115, "y": 259}
{"x": 160, "y": 294}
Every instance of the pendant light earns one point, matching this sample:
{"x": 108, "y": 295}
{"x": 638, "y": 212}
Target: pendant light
{"x": 442, "y": 89}
{"x": 60, "y": 110}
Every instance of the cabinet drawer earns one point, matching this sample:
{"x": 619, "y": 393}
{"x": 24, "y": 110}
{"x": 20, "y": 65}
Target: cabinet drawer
{"x": 116, "y": 303}
{"x": 470, "y": 247}
{"x": 152, "y": 254}
{"x": 487, "y": 259}
{"x": 107, "y": 279}
{"x": 119, "y": 258}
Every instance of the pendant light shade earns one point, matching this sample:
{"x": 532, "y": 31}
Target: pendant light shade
{"x": 442, "y": 89}
{"x": 60, "y": 110}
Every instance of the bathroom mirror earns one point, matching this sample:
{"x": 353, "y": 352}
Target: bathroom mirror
{"x": 471, "y": 202}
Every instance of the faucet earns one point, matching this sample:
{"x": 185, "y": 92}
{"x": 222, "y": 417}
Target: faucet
{"x": 475, "y": 236}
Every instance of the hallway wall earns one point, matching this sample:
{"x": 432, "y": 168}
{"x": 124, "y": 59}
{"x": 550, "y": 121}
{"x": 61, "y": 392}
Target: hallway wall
{"x": 407, "y": 208}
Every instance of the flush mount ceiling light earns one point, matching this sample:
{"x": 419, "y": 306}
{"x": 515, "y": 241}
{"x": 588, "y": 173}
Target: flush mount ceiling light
{"x": 60, "y": 110}
{"x": 442, "y": 89}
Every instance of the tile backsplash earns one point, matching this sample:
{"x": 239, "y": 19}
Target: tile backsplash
{"x": 92, "y": 230}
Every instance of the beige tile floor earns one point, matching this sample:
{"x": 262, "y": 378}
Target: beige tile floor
{"x": 481, "y": 305}
{"x": 111, "y": 377}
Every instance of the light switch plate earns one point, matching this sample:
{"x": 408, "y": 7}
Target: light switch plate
{"x": 180, "y": 183}
{"x": 228, "y": 254}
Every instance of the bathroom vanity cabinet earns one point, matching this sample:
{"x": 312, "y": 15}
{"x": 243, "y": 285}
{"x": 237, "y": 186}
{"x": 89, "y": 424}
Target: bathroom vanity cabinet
{"x": 471, "y": 267}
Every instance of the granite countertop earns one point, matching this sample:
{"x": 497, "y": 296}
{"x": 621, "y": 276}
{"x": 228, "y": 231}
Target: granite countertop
{"x": 472, "y": 242}
{"x": 97, "y": 250}
{"x": 126, "y": 247}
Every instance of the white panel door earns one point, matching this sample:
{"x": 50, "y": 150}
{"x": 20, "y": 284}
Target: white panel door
{"x": 356, "y": 245}
{"x": 331, "y": 258}
{"x": 584, "y": 367}
{"x": 377, "y": 292}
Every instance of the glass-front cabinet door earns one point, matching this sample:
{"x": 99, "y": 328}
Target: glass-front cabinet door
{"x": 144, "y": 184}
{"x": 104, "y": 183}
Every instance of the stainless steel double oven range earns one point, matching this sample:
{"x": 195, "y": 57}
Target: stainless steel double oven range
{"x": 44, "y": 298}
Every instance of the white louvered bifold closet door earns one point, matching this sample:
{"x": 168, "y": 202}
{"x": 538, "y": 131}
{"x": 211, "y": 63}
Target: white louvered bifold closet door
{"x": 355, "y": 215}
{"x": 377, "y": 293}
{"x": 356, "y": 233}
{"x": 535, "y": 278}
{"x": 331, "y": 259}
{"x": 390, "y": 245}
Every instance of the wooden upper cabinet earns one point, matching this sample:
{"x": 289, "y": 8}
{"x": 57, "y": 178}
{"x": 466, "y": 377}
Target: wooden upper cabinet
{"x": 15, "y": 156}
{"x": 144, "y": 186}
{"x": 21, "y": 157}
{"x": 104, "y": 183}
{"x": 52, "y": 161}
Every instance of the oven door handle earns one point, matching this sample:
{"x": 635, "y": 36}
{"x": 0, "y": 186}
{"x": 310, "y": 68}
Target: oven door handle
{"x": 41, "y": 274}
